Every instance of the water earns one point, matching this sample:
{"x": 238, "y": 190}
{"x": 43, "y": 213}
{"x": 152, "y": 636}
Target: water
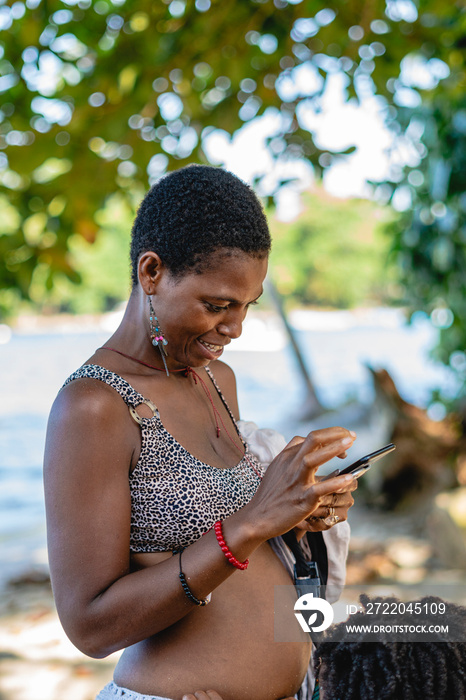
{"x": 336, "y": 346}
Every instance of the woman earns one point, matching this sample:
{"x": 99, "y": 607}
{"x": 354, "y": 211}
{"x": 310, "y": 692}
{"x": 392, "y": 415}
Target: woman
{"x": 154, "y": 503}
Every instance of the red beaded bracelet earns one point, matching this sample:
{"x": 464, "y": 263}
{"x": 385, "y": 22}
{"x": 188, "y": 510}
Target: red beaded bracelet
{"x": 224, "y": 547}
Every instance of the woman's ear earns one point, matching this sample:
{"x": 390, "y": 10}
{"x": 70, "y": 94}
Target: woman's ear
{"x": 150, "y": 269}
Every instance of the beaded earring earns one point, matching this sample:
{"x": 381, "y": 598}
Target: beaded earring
{"x": 156, "y": 335}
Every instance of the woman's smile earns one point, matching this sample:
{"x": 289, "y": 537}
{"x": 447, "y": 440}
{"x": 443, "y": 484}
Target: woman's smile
{"x": 215, "y": 350}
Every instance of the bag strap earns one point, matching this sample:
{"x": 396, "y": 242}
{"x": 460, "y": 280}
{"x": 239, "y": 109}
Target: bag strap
{"x": 318, "y": 549}
{"x": 290, "y": 539}
{"x": 319, "y": 553}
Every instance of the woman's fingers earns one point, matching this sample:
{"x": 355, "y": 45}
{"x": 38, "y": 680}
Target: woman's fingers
{"x": 319, "y": 441}
{"x": 316, "y": 521}
{"x": 296, "y": 440}
{"x": 321, "y": 445}
{"x": 332, "y": 433}
{"x": 340, "y": 498}
{"x": 313, "y": 459}
{"x": 330, "y": 487}
{"x": 338, "y": 484}
{"x": 337, "y": 500}
{"x": 341, "y": 509}
{"x": 320, "y": 489}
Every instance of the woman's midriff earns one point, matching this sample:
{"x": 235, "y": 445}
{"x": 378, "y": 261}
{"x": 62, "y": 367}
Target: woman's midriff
{"x": 227, "y": 646}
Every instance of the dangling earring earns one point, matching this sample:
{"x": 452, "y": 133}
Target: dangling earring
{"x": 156, "y": 335}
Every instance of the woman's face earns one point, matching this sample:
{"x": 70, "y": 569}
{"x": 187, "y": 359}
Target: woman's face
{"x": 199, "y": 314}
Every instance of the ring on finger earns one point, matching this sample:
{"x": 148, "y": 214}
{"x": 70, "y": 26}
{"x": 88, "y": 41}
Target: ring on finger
{"x": 331, "y": 518}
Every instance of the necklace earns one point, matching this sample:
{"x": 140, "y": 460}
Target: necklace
{"x": 197, "y": 378}
{"x": 187, "y": 370}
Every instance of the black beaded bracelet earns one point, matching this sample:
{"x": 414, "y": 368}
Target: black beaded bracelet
{"x": 187, "y": 590}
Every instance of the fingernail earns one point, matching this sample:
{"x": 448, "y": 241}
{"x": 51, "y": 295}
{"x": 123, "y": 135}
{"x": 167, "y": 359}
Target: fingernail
{"x": 352, "y": 433}
{"x": 347, "y": 441}
{"x": 348, "y": 478}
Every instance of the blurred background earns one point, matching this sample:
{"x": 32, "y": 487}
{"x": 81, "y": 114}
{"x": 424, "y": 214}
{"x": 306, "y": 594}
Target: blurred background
{"x": 350, "y": 123}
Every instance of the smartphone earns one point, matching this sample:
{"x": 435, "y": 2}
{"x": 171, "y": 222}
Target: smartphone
{"x": 360, "y": 467}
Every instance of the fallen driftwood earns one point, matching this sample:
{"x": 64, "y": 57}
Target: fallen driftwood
{"x": 428, "y": 457}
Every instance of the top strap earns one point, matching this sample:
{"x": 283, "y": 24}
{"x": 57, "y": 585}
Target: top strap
{"x": 224, "y": 401}
{"x": 129, "y": 395}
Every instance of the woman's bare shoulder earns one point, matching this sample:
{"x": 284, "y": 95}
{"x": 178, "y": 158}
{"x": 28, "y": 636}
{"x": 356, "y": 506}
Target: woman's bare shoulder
{"x": 87, "y": 397}
{"x": 222, "y": 370}
{"x": 89, "y": 416}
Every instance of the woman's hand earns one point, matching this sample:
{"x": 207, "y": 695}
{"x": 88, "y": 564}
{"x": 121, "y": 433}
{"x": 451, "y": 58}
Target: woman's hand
{"x": 340, "y": 502}
{"x": 290, "y": 492}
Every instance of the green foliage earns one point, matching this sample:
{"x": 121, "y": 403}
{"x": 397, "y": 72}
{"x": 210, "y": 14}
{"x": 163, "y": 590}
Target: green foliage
{"x": 429, "y": 236}
{"x": 335, "y": 254}
{"x": 102, "y": 96}
{"x": 429, "y": 239}
{"x": 102, "y": 267}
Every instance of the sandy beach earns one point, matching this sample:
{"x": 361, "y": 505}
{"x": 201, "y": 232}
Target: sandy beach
{"x": 37, "y": 661}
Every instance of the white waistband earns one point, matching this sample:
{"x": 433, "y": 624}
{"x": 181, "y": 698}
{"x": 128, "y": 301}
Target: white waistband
{"x": 112, "y": 690}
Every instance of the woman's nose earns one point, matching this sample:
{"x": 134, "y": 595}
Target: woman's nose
{"x": 232, "y": 327}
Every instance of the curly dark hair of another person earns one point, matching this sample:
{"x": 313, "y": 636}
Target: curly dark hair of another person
{"x": 384, "y": 670}
{"x": 192, "y": 212}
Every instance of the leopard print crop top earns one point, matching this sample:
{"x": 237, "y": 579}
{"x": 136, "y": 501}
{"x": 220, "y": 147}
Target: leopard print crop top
{"x": 175, "y": 498}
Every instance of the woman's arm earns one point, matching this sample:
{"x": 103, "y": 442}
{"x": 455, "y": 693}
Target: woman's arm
{"x": 103, "y": 606}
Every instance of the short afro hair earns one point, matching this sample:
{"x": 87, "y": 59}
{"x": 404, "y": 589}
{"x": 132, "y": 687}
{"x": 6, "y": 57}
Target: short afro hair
{"x": 192, "y": 212}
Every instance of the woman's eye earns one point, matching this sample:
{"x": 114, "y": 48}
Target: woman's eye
{"x": 216, "y": 309}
